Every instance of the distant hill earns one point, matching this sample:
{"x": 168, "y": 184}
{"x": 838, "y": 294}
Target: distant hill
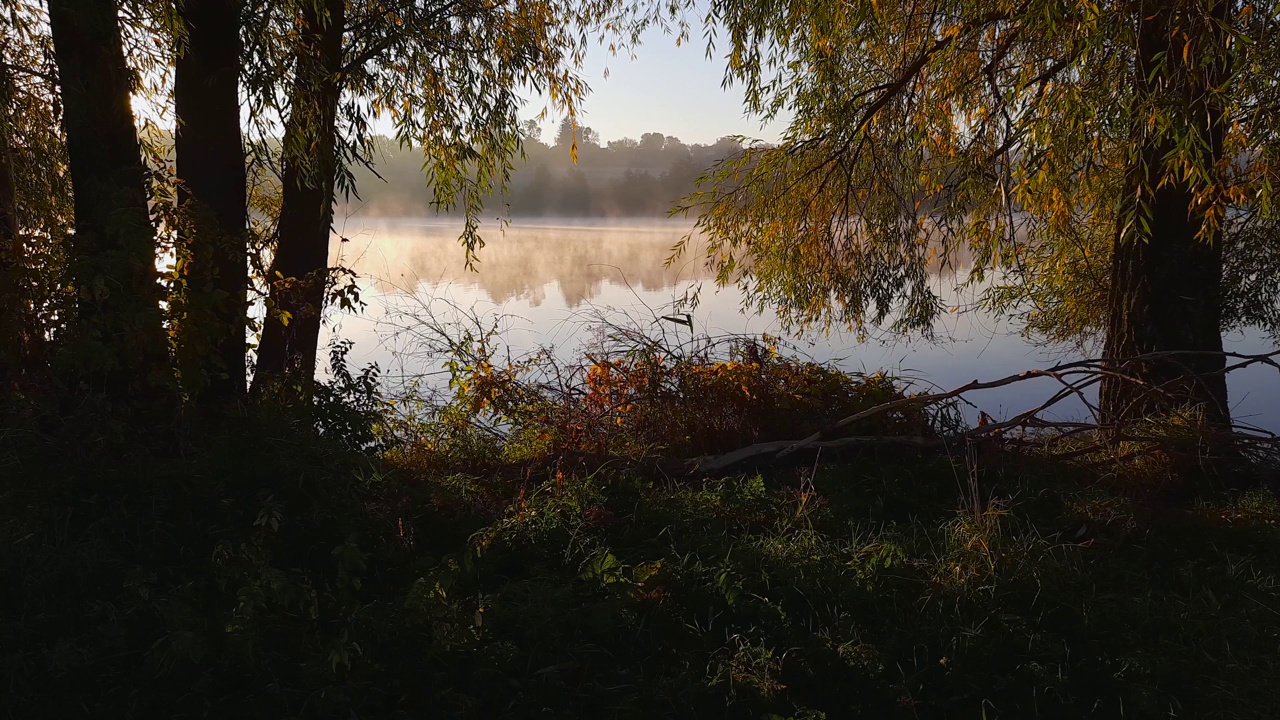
{"x": 624, "y": 178}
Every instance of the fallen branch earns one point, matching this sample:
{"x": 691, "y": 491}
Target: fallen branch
{"x": 1074, "y": 377}
{"x": 914, "y": 401}
{"x": 716, "y": 463}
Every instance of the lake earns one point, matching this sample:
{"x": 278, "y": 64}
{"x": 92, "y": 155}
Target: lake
{"x": 545, "y": 278}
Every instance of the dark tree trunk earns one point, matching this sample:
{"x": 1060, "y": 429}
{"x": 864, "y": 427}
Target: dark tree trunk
{"x": 212, "y": 200}
{"x": 120, "y": 349}
{"x": 1166, "y": 276}
{"x": 1166, "y": 296}
{"x": 298, "y": 275}
{"x": 13, "y": 340}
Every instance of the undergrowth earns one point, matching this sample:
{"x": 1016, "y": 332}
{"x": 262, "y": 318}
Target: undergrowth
{"x": 512, "y": 553}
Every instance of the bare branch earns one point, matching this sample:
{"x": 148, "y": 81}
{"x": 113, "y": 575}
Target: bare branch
{"x": 1074, "y": 377}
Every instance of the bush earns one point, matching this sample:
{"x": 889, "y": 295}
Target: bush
{"x": 633, "y": 398}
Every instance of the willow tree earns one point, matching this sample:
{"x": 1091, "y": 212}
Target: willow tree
{"x": 1121, "y": 139}
{"x": 449, "y": 77}
{"x": 299, "y": 271}
{"x": 119, "y": 343}
{"x": 12, "y": 323}
{"x": 210, "y": 167}
{"x": 35, "y": 199}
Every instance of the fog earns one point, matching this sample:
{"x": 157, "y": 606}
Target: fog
{"x": 571, "y": 176}
{"x": 526, "y": 260}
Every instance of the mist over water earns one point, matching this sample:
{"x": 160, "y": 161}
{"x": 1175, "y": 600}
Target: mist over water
{"x": 544, "y": 278}
{"x": 526, "y": 262}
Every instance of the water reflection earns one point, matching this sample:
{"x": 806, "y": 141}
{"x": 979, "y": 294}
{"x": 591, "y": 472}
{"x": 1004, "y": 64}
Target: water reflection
{"x": 524, "y": 261}
{"x": 543, "y": 276}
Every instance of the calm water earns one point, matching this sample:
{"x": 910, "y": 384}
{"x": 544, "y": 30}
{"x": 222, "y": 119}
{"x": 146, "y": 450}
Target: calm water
{"x": 543, "y": 279}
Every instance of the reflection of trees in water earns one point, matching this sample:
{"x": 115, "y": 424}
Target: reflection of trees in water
{"x": 520, "y": 263}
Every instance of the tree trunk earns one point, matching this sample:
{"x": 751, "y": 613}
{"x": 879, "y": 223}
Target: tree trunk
{"x": 1166, "y": 275}
{"x": 298, "y": 275}
{"x": 213, "y": 242}
{"x": 13, "y": 339}
{"x": 119, "y": 346}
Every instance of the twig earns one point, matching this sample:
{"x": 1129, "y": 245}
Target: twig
{"x": 1100, "y": 366}
{"x": 1074, "y": 377}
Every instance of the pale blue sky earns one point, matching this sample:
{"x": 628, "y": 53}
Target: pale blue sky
{"x": 668, "y": 89}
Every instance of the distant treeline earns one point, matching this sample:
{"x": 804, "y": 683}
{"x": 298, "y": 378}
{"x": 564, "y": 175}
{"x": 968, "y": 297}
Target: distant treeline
{"x": 623, "y": 178}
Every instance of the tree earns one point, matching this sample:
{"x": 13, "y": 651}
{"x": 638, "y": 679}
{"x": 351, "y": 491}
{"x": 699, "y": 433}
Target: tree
{"x": 120, "y": 348}
{"x": 650, "y": 153}
{"x": 566, "y": 133}
{"x": 530, "y": 198}
{"x": 210, "y": 165}
{"x": 1004, "y": 133}
{"x": 571, "y": 135}
{"x": 448, "y": 76}
{"x": 574, "y": 198}
{"x": 35, "y": 199}
{"x": 727, "y": 145}
{"x": 12, "y": 323}
{"x": 532, "y": 131}
{"x": 299, "y": 270}
{"x": 1167, "y": 260}
{"x": 638, "y": 194}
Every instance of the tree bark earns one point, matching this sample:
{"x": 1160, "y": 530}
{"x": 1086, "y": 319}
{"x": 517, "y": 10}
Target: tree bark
{"x": 13, "y": 339}
{"x": 119, "y": 346}
{"x": 1166, "y": 274}
{"x": 299, "y": 272}
{"x": 213, "y": 242}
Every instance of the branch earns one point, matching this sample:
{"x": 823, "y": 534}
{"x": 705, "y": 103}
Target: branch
{"x": 716, "y": 463}
{"x": 909, "y": 73}
{"x": 912, "y": 401}
{"x": 1092, "y": 370}
{"x": 29, "y": 71}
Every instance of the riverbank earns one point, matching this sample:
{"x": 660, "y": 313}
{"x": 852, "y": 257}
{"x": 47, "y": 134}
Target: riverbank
{"x": 515, "y": 552}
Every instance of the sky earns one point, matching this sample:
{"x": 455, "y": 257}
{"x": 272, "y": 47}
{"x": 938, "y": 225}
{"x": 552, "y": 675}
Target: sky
{"x": 674, "y": 90}
{"x": 667, "y": 89}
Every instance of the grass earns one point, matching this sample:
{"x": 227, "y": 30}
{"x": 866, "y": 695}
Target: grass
{"x": 289, "y": 568}
{"x": 871, "y": 592}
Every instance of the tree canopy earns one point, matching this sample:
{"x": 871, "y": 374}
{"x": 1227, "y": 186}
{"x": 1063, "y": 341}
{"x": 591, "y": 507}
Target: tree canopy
{"x": 993, "y": 134}
{"x": 256, "y": 115}
{"x": 1032, "y": 142}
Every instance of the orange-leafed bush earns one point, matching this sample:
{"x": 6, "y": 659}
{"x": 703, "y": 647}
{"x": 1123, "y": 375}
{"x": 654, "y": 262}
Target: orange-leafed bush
{"x": 649, "y": 401}
{"x": 707, "y": 406}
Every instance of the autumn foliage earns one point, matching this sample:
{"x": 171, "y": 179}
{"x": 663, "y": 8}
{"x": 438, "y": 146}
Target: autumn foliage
{"x": 647, "y": 402}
